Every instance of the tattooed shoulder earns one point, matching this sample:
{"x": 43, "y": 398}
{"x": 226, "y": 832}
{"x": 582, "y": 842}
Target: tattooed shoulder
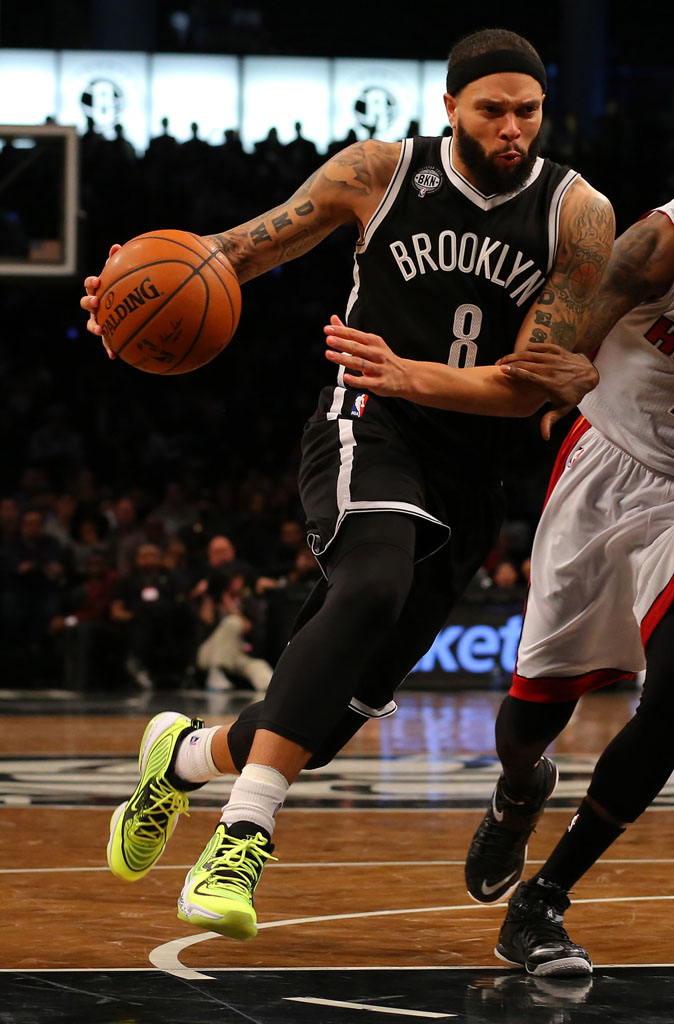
{"x": 642, "y": 261}
{"x": 364, "y": 165}
{"x": 563, "y": 304}
{"x": 586, "y": 239}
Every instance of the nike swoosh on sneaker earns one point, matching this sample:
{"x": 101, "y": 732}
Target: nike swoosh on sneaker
{"x": 489, "y": 889}
{"x": 495, "y": 811}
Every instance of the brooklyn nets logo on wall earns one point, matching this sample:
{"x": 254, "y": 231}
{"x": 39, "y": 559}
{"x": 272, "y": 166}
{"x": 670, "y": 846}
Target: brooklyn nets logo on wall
{"x": 103, "y": 101}
{"x": 376, "y": 109}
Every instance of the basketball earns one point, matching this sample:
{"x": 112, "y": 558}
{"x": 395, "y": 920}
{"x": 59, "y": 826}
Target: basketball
{"x": 168, "y": 303}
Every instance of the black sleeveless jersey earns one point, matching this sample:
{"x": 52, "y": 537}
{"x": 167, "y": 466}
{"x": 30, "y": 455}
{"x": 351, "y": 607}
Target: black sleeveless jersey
{"x": 445, "y": 274}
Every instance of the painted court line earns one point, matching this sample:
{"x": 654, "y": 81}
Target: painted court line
{"x": 366, "y": 1006}
{"x": 322, "y": 864}
{"x": 167, "y": 956}
{"x": 185, "y": 973}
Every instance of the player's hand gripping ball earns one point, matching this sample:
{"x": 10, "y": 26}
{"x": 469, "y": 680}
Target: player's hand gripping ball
{"x": 168, "y": 303}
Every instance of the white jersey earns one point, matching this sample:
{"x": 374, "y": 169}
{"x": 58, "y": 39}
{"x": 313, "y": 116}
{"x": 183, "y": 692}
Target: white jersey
{"x": 633, "y": 403}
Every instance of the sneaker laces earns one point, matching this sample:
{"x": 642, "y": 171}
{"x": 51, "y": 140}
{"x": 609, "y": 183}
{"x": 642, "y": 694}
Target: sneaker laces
{"x": 539, "y": 931}
{"x": 162, "y": 802}
{"x": 541, "y": 915}
{"x": 237, "y": 863}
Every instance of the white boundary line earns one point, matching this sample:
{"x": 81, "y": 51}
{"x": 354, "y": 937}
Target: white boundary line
{"x": 320, "y": 864}
{"x": 288, "y": 970}
{"x": 166, "y": 957}
{"x": 394, "y": 1011}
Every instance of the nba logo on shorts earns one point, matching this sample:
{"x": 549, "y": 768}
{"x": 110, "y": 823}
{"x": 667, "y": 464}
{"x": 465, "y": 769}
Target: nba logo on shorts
{"x": 359, "y": 405}
{"x": 575, "y": 455}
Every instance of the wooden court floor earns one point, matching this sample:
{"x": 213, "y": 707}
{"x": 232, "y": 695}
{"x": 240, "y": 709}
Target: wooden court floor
{"x": 365, "y": 912}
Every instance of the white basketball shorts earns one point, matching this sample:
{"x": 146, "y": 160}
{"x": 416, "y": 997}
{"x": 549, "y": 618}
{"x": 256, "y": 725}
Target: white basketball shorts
{"x": 602, "y": 571}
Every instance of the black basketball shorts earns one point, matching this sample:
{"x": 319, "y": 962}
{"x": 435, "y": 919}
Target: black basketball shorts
{"x": 355, "y": 458}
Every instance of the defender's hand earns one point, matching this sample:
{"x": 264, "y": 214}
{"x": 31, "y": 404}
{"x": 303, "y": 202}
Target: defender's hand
{"x": 551, "y": 417}
{"x": 89, "y": 303}
{"x": 565, "y": 377}
{"x": 378, "y": 368}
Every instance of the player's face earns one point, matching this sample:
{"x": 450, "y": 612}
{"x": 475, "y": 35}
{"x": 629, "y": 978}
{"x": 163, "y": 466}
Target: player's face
{"x": 496, "y": 121}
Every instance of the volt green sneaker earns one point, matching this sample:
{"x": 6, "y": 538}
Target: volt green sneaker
{"x": 141, "y": 826}
{"x": 218, "y": 891}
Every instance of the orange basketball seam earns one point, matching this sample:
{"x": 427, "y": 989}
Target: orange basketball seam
{"x": 172, "y": 369}
{"x": 196, "y": 271}
{"x": 234, "y": 318}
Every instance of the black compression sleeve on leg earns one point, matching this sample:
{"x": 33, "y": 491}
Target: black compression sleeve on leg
{"x": 524, "y": 729}
{"x": 242, "y": 733}
{"x": 586, "y": 838}
{"x": 370, "y": 571}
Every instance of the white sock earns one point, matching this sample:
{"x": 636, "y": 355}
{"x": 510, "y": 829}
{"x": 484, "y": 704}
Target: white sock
{"x": 256, "y": 796}
{"x": 194, "y": 762}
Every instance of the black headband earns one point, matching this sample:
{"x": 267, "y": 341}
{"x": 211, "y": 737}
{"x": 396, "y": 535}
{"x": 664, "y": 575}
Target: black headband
{"x": 460, "y": 73}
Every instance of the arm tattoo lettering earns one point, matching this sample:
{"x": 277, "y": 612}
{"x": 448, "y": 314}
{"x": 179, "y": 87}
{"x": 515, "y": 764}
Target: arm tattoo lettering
{"x": 543, "y": 318}
{"x": 538, "y": 335}
{"x": 260, "y": 234}
{"x": 333, "y": 195}
{"x": 282, "y": 221}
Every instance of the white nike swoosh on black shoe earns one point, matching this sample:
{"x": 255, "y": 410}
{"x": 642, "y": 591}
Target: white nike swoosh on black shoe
{"x": 489, "y": 890}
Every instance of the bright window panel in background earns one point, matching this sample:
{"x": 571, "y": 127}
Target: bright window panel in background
{"x": 111, "y": 88}
{"x": 376, "y": 98}
{"x": 27, "y": 86}
{"x": 433, "y": 114}
{"x": 278, "y": 91}
{"x": 188, "y": 88}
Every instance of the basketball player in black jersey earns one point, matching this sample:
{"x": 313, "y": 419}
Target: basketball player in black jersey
{"x": 468, "y": 248}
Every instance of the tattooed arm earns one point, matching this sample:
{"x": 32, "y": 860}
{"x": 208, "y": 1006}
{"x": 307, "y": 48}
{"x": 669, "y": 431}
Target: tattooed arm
{"x": 562, "y": 311}
{"x": 641, "y": 269}
{"x": 346, "y": 189}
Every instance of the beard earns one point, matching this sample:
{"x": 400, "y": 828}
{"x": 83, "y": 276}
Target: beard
{"x": 490, "y": 178}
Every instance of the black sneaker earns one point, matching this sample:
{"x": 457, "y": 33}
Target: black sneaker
{"x": 498, "y": 850}
{"x": 533, "y": 936}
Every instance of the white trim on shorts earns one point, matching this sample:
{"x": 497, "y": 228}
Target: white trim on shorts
{"x": 345, "y": 505}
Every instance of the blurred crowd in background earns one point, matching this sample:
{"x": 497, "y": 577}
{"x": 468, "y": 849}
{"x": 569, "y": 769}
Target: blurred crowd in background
{"x": 150, "y": 528}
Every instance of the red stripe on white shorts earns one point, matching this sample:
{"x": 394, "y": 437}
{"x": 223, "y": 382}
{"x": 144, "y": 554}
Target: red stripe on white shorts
{"x": 557, "y": 689}
{"x": 660, "y": 606}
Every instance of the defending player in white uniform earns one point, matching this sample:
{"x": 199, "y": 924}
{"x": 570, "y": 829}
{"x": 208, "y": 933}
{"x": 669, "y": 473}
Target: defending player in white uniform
{"x": 602, "y": 568}
{"x": 601, "y": 601}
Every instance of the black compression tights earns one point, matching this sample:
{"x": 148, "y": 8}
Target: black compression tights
{"x": 524, "y": 729}
{"x": 638, "y": 761}
{"x": 370, "y": 569}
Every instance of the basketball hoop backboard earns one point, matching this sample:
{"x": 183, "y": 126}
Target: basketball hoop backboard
{"x": 39, "y": 187}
